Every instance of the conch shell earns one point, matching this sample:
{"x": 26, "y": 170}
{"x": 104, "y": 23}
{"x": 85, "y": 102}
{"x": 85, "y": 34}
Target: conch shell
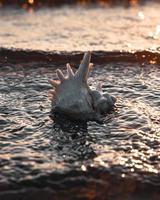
{"x": 73, "y": 98}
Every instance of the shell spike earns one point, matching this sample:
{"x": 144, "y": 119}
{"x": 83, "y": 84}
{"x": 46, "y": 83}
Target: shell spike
{"x": 83, "y": 70}
{"x": 60, "y": 75}
{"x": 69, "y": 70}
{"x": 54, "y": 83}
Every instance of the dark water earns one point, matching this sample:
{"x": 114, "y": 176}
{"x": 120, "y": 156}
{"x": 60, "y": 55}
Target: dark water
{"x": 117, "y": 160}
{"x": 87, "y": 160}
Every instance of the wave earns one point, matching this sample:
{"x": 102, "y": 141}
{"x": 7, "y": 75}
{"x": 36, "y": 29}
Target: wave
{"x": 15, "y": 56}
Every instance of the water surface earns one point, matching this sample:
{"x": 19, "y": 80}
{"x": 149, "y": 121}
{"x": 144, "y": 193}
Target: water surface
{"x": 33, "y": 146}
{"x": 119, "y": 159}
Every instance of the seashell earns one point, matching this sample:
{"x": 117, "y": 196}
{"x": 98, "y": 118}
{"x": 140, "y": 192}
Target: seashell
{"x": 72, "y": 97}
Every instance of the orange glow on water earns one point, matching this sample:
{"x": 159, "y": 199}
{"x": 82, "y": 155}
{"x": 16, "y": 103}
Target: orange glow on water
{"x": 133, "y": 2}
{"x": 31, "y": 1}
{"x": 25, "y": 4}
{"x": 80, "y": 2}
{"x": 102, "y": 2}
{"x": 152, "y": 62}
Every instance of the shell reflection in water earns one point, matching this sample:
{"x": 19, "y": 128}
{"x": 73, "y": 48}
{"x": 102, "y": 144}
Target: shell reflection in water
{"x": 71, "y": 141}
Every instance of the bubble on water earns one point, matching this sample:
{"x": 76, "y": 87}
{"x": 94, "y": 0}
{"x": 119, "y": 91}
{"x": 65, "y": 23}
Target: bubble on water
{"x": 123, "y": 175}
{"x": 83, "y": 167}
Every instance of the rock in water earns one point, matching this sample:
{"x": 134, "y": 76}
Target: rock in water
{"x": 72, "y": 97}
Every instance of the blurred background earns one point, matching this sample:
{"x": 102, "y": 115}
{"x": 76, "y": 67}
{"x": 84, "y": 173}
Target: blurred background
{"x": 35, "y": 3}
{"x": 79, "y": 25}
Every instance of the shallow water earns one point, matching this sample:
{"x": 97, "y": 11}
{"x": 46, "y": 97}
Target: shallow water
{"x": 119, "y": 159}
{"x": 32, "y": 145}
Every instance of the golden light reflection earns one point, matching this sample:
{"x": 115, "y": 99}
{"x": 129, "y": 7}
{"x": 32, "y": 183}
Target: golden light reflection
{"x": 152, "y": 62}
{"x": 100, "y": 161}
{"x": 83, "y": 167}
{"x": 102, "y": 2}
{"x": 6, "y": 156}
{"x": 136, "y": 164}
{"x": 31, "y": 1}
{"x": 133, "y": 2}
{"x": 80, "y": 2}
{"x": 48, "y": 166}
